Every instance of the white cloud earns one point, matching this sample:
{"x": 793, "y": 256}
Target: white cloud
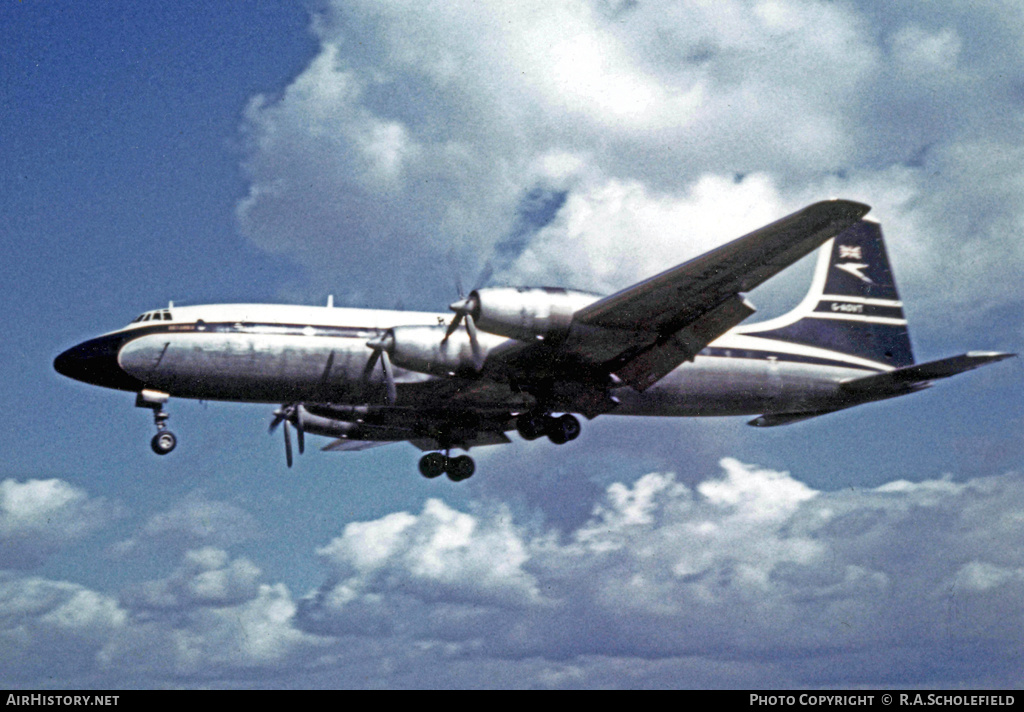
{"x": 53, "y": 629}
{"x": 746, "y": 567}
{"x": 437, "y": 566}
{"x": 205, "y": 577}
{"x": 192, "y": 523}
{"x": 245, "y": 640}
{"x": 592, "y": 243}
{"x": 917, "y": 50}
{"x": 420, "y": 128}
{"x": 746, "y": 578}
{"x": 38, "y": 517}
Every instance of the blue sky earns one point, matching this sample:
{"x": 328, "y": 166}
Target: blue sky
{"x": 268, "y": 152}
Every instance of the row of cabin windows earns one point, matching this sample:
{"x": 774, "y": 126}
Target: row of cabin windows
{"x": 162, "y": 315}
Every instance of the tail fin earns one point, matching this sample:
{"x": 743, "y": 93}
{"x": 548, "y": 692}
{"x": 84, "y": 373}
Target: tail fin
{"x": 852, "y": 306}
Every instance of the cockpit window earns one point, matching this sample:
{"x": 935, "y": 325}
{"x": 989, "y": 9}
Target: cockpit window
{"x": 160, "y": 315}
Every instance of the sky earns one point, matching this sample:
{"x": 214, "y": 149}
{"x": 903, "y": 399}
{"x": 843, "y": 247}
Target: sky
{"x": 385, "y": 152}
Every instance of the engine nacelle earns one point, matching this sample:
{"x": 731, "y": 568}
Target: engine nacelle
{"x": 527, "y": 313}
{"x": 320, "y": 425}
{"x": 424, "y": 349}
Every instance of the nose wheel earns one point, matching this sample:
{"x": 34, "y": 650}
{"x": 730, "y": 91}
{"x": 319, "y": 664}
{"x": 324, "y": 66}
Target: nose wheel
{"x": 164, "y": 441}
{"x": 434, "y": 464}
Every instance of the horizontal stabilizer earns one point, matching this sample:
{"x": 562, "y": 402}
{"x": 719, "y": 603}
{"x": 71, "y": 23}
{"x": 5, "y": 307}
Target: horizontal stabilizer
{"x": 909, "y": 376}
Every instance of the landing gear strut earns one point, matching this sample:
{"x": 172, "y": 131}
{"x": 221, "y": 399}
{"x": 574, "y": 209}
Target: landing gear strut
{"x": 164, "y": 441}
{"x": 559, "y": 430}
{"x": 434, "y": 464}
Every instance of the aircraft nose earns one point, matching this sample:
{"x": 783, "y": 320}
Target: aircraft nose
{"x": 95, "y": 362}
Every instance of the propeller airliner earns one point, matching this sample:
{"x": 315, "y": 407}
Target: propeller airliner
{"x": 526, "y": 360}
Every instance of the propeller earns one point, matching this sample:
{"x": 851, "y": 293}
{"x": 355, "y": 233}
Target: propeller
{"x": 464, "y": 309}
{"x": 380, "y": 347}
{"x": 290, "y": 414}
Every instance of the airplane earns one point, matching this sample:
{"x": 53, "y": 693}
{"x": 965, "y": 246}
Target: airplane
{"x": 528, "y": 359}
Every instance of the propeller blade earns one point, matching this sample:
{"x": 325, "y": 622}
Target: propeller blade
{"x": 463, "y": 309}
{"x": 474, "y": 343}
{"x": 300, "y": 429}
{"x": 368, "y": 369}
{"x": 452, "y": 327}
{"x": 389, "y": 378}
{"x": 485, "y": 275}
{"x": 287, "y": 444}
{"x": 380, "y": 346}
{"x": 280, "y": 415}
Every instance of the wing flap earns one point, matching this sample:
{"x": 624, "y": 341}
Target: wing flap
{"x": 655, "y": 363}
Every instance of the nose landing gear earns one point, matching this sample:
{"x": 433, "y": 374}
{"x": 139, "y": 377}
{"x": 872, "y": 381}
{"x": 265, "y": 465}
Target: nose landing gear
{"x": 164, "y": 441}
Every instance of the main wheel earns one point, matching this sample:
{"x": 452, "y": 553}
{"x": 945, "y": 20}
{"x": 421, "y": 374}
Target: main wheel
{"x": 530, "y": 425}
{"x": 570, "y": 426}
{"x": 163, "y": 442}
{"x": 563, "y": 429}
{"x": 433, "y": 464}
{"x": 461, "y": 468}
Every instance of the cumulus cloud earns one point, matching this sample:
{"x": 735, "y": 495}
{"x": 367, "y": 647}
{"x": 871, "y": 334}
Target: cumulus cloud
{"x": 53, "y": 629}
{"x": 750, "y": 565}
{"x": 194, "y": 522}
{"x": 246, "y": 640}
{"x": 422, "y": 128}
{"x": 205, "y": 577}
{"x": 745, "y": 577}
{"x": 427, "y": 572}
{"x": 38, "y": 517}
{"x": 64, "y": 632}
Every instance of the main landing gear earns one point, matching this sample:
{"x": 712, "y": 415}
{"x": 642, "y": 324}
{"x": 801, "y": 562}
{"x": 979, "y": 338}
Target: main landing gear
{"x": 164, "y": 441}
{"x": 559, "y": 430}
{"x": 434, "y": 464}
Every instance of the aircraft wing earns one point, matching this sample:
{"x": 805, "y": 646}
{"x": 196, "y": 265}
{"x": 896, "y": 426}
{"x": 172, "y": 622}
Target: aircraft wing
{"x": 345, "y": 445}
{"x": 479, "y": 439}
{"x": 645, "y": 331}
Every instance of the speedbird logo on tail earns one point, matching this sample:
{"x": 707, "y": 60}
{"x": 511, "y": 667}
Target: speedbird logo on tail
{"x": 855, "y": 268}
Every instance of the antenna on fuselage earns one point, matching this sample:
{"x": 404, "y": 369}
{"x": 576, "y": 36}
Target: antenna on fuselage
{"x": 330, "y": 301}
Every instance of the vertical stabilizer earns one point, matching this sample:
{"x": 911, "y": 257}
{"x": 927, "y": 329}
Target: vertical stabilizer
{"x": 852, "y": 307}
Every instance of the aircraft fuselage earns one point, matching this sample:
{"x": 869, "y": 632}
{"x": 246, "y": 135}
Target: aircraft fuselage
{"x": 290, "y": 354}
